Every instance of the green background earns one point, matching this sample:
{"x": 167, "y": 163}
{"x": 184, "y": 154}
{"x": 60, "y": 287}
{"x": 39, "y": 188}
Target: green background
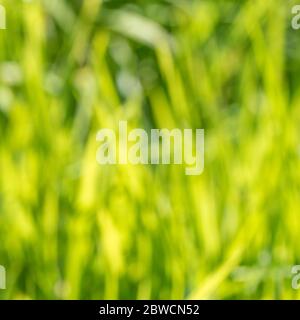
{"x": 70, "y": 228}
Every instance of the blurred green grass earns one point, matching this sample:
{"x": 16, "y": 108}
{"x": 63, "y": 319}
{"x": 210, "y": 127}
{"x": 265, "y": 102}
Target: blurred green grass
{"x": 72, "y": 229}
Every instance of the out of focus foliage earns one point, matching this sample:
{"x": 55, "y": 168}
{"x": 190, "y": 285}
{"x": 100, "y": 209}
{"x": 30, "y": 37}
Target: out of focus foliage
{"x": 70, "y": 228}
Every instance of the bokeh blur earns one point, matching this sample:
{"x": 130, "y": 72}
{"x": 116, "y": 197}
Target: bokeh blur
{"x": 72, "y": 229}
